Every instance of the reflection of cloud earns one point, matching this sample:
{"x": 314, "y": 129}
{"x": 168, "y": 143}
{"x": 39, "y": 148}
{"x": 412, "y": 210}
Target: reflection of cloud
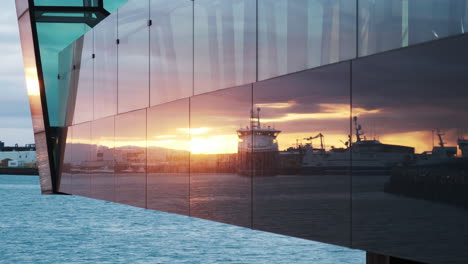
{"x": 276, "y": 105}
{"x": 326, "y": 112}
{"x": 194, "y": 131}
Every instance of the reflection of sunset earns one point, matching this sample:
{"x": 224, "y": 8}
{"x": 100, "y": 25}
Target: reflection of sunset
{"x": 174, "y": 144}
{"x": 420, "y": 140}
{"x": 327, "y": 112}
{"x": 219, "y": 144}
{"x": 194, "y": 131}
{"x": 276, "y": 105}
{"x": 32, "y": 83}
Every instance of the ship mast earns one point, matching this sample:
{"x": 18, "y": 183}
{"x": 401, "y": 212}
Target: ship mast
{"x": 358, "y": 130}
{"x": 255, "y": 123}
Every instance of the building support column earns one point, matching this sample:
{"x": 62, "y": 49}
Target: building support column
{"x": 375, "y": 258}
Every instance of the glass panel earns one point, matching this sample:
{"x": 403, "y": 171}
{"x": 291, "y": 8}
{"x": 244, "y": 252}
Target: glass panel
{"x": 84, "y": 74}
{"x": 225, "y": 44}
{"x": 169, "y": 157}
{"x": 67, "y": 85}
{"x": 112, "y": 5}
{"x": 53, "y": 38}
{"x": 410, "y": 165}
{"x": 301, "y": 34}
{"x": 81, "y": 158}
{"x": 30, "y": 70}
{"x": 66, "y": 178}
{"x": 300, "y": 155}
{"x": 220, "y": 187}
{"x": 130, "y": 158}
{"x": 102, "y": 159}
{"x": 171, "y": 50}
{"x": 133, "y": 59}
{"x": 21, "y": 6}
{"x": 105, "y": 68}
{"x": 42, "y": 160}
{"x": 390, "y": 24}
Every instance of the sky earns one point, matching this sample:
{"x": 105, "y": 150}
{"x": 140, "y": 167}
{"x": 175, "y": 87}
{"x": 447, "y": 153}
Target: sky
{"x": 15, "y": 120}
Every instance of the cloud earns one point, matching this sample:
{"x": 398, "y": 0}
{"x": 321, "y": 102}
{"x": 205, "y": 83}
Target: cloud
{"x": 15, "y": 120}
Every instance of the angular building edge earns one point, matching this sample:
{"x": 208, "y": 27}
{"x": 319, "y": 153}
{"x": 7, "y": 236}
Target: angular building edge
{"x": 36, "y": 97}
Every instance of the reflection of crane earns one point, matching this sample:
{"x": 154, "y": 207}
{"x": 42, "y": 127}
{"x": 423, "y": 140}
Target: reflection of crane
{"x": 319, "y": 135}
{"x": 441, "y": 141}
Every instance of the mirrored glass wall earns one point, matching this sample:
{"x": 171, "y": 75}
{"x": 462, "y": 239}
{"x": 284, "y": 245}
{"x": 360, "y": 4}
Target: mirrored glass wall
{"x": 270, "y": 116}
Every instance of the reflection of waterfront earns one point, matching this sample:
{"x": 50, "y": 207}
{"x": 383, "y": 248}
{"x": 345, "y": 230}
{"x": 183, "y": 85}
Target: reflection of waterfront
{"x": 223, "y": 197}
{"x": 376, "y": 214}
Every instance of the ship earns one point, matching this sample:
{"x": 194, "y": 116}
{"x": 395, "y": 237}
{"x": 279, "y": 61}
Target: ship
{"x": 364, "y": 156}
{"x": 440, "y": 175}
{"x": 258, "y": 152}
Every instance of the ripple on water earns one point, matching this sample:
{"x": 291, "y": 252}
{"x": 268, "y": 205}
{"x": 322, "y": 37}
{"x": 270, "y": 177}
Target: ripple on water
{"x": 72, "y": 229}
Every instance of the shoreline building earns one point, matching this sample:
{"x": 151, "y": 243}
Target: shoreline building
{"x": 146, "y": 103}
{"x": 17, "y": 157}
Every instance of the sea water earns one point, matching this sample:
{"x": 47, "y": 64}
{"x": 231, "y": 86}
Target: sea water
{"x": 37, "y": 228}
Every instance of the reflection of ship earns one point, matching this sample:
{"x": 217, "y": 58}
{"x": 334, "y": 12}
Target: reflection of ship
{"x": 368, "y": 156}
{"x": 439, "y": 175}
{"x": 463, "y": 145}
{"x": 257, "y": 148}
{"x": 258, "y": 153}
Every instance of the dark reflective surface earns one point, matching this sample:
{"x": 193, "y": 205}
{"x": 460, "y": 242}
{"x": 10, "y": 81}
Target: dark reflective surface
{"x": 81, "y": 158}
{"x": 84, "y": 74}
{"x": 66, "y": 177}
{"x": 390, "y": 24}
{"x": 130, "y": 158}
{"x": 225, "y": 44}
{"x": 133, "y": 59}
{"x": 171, "y": 51}
{"x": 169, "y": 157}
{"x": 105, "y": 67}
{"x": 101, "y": 166}
{"x": 411, "y": 200}
{"x": 220, "y": 189}
{"x": 300, "y": 160}
{"x": 301, "y": 34}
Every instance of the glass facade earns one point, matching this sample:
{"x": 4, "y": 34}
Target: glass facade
{"x": 133, "y": 56}
{"x": 417, "y": 110}
{"x": 171, "y": 50}
{"x": 168, "y": 140}
{"x": 130, "y": 158}
{"x": 225, "y": 44}
{"x": 292, "y": 184}
{"x": 267, "y": 114}
{"x": 302, "y": 34}
{"x": 220, "y": 173}
{"x": 391, "y": 24}
{"x": 105, "y": 68}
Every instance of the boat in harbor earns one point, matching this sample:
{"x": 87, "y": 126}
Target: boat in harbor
{"x": 258, "y": 153}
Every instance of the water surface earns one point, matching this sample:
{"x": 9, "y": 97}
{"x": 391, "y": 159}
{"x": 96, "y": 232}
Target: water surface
{"x": 36, "y": 228}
